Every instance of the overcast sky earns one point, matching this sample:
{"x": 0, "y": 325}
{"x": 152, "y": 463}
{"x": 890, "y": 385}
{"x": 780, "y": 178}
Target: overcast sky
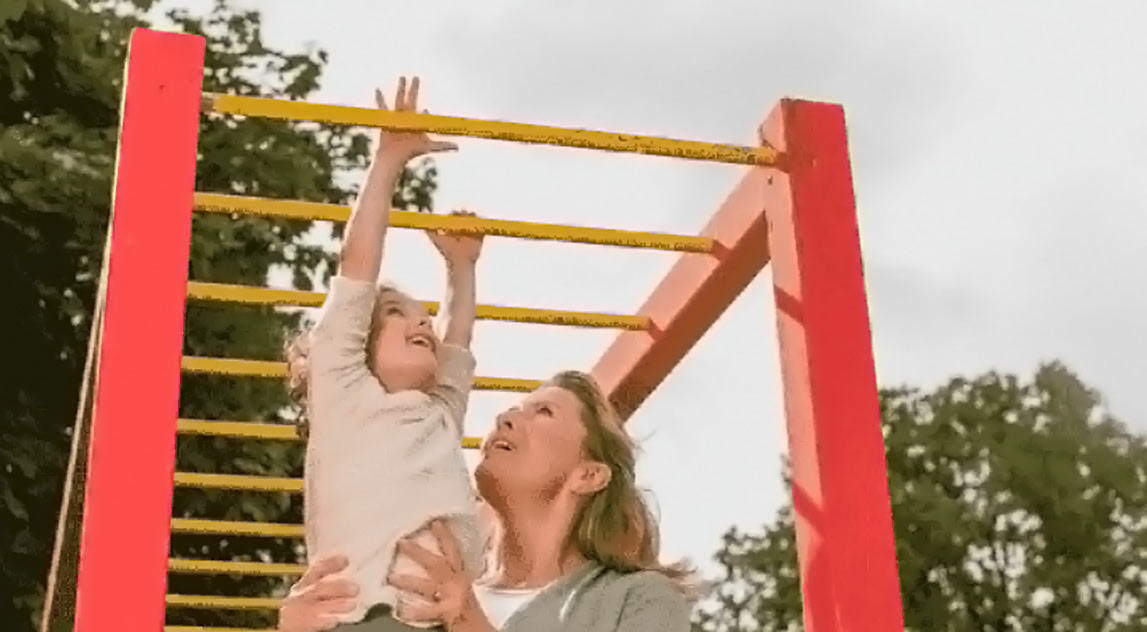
{"x": 996, "y": 147}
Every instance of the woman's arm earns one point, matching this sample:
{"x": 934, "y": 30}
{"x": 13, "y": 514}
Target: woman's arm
{"x": 448, "y": 587}
{"x": 470, "y": 617}
{"x": 361, "y": 255}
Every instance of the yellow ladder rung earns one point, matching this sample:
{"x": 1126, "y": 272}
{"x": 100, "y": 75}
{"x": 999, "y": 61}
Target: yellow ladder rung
{"x": 220, "y": 567}
{"x": 239, "y": 482}
{"x": 238, "y": 429}
{"x": 236, "y": 527}
{"x": 231, "y": 366}
{"x": 222, "y": 292}
{"x": 222, "y": 603}
{"x": 258, "y": 430}
{"x": 229, "y": 293}
{"x": 266, "y": 368}
{"x": 299, "y": 210}
{"x": 493, "y": 130}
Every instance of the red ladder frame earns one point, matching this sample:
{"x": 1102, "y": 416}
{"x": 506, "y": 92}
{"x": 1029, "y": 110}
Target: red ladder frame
{"x": 800, "y": 216}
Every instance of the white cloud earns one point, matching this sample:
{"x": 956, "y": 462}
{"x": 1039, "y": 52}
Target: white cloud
{"x": 997, "y": 150}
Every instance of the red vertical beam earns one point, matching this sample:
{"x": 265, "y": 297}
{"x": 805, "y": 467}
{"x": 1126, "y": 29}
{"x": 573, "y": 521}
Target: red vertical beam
{"x": 840, "y": 485}
{"x": 127, "y": 505}
{"x": 691, "y": 297}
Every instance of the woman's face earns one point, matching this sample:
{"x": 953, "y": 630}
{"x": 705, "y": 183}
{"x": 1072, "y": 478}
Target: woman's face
{"x": 533, "y": 447}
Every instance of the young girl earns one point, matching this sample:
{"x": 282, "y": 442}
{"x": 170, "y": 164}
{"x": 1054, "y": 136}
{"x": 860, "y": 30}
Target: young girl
{"x": 385, "y": 400}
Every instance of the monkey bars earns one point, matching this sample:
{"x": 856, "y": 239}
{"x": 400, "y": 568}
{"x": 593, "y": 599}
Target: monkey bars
{"x": 294, "y": 209}
{"x": 494, "y": 130}
{"x": 794, "y": 207}
{"x": 222, "y": 292}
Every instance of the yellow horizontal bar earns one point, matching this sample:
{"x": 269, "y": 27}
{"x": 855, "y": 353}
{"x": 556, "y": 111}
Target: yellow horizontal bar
{"x": 220, "y": 292}
{"x": 257, "y": 430}
{"x": 239, "y": 482}
{"x": 233, "y": 527}
{"x": 238, "y": 429}
{"x": 229, "y": 366}
{"x": 225, "y": 603}
{"x": 265, "y": 368}
{"x": 218, "y": 567}
{"x": 494, "y": 130}
{"x": 296, "y": 209}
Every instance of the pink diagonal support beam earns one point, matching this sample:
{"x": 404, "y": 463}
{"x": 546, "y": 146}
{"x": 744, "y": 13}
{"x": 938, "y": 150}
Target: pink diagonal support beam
{"x": 840, "y": 484}
{"x": 127, "y": 506}
{"x": 691, "y": 297}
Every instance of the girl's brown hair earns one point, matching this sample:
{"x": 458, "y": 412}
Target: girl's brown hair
{"x": 297, "y": 354}
{"x": 615, "y": 527}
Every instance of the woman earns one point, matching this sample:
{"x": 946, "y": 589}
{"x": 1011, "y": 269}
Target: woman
{"x": 576, "y": 547}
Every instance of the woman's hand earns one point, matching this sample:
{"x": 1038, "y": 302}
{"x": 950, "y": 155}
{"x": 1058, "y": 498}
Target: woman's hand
{"x": 449, "y": 590}
{"x": 316, "y": 600}
{"x": 400, "y": 147}
{"x": 457, "y": 249}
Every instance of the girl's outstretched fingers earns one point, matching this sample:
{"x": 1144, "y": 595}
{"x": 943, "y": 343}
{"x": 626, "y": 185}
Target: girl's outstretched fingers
{"x": 401, "y": 146}
{"x": 438, "y": 146}
{"x": 412, "y": 96}
{"x": 441, "y": 145}
{"x": 400, "y": 94}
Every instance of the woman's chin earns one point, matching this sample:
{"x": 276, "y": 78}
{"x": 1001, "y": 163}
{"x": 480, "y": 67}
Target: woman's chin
{"x": 485, "y": 467}
{"x": 486, "y": 481}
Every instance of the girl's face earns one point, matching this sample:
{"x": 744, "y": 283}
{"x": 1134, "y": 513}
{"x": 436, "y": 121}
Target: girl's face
{"x": 533, "y": 448}
{"x": 404, "y": 353}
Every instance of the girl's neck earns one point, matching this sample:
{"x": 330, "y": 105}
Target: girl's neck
{"x": 535, "y": 546}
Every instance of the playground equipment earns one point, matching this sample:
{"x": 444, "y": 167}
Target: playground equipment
{"x": 793, "y": 207}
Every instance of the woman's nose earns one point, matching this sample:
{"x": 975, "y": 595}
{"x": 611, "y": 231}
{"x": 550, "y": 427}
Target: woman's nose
{"x": 505, "y": 420}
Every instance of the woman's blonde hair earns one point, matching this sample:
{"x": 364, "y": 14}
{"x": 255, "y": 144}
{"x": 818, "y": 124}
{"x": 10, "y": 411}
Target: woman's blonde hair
{"x": 615, "y": 527}
{"x": 297, "y": 353}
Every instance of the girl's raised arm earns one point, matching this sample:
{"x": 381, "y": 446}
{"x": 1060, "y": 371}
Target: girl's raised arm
{"x": 460, "y": 252}
{"x": 361, "y": 254}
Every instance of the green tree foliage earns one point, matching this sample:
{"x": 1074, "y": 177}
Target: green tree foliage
{"x": 61, "y": 66}
{"x": 57, "y": 132}
{"x": 1017, "y": 506}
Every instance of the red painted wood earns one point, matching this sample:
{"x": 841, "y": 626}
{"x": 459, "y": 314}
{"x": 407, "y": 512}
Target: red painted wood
{"x": 127, "y": 505}
{"x": 691, "y": 297}
{"x": 840, "y": 485}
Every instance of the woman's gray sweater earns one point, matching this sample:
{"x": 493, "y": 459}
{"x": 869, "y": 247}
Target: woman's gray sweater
{"x": 594, "y": 599}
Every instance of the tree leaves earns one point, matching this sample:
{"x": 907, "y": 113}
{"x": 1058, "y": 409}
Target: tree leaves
{"x": 61, "y": 69}
{"x": 1016, "y": 506}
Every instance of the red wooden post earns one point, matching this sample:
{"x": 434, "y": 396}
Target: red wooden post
{"x": 127, "y": 505}
{"x": 691, "y": 297}
{"x": 840, "y": 485}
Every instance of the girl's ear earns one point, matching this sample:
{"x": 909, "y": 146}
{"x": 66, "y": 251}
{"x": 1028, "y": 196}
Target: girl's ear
{"x": 591, "y": 477}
